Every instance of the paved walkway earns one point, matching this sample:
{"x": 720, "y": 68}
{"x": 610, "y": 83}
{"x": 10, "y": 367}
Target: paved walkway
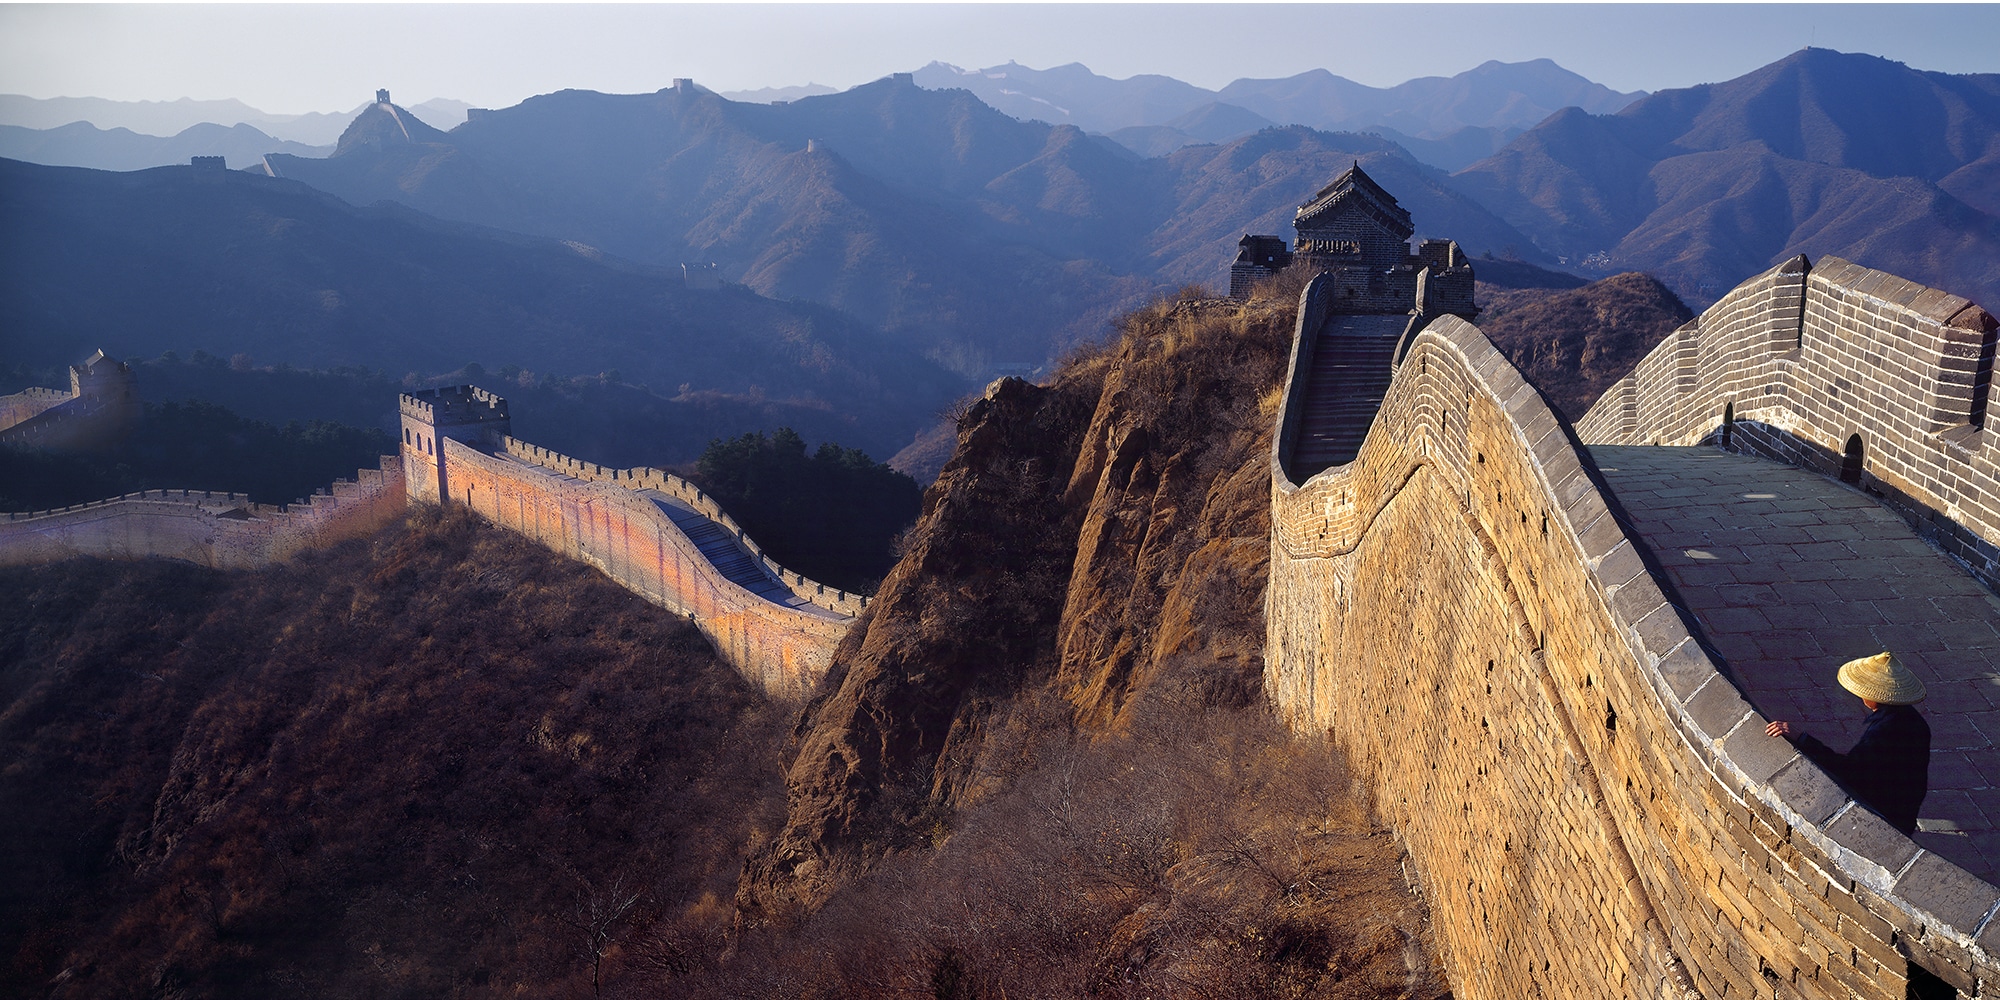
{"x": 1791, "y": 574}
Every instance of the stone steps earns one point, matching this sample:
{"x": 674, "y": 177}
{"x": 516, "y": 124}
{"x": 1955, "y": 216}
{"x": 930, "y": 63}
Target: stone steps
{"x": 1350, "y": 374}
{"x": 719, "y": 546}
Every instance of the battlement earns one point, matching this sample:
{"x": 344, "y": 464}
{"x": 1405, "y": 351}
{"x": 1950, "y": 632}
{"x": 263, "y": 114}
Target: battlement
{"x": 651, "y": 531}
{"x": 1463, "y": 606}
{"x": 454, "y": 406}
{"x": 100, "y": 408}
{"x": 1848, "y": 371}
{"x": 647, "y": 478}
{"x": 218, "y": 530}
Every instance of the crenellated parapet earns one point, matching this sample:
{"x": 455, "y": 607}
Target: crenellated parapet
{"x": 218, "y": 530}
{"x": 100, "y": 408}
{"x": 648, "y": 478}
{"x": 1589, "y": 799}
{"x": 1838, "y": 368}
{"x": 648, "y": 530}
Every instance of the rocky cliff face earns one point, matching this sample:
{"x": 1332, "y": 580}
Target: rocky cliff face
{"x": 1085, "y": 535}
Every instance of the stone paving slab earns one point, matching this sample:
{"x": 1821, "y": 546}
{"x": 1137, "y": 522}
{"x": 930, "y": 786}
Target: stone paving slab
{"x": 1791, "y": 574}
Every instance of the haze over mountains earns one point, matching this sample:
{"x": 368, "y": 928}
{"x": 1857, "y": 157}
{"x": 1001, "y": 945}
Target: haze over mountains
{"x": 989, "y": 239}
{"x": 1821, "y": 152}
{"x": 166, "y": 259}
{"x": 166, "y": 118}
{"x": 1476, "y": 110}
{"x": 926, "y": 223}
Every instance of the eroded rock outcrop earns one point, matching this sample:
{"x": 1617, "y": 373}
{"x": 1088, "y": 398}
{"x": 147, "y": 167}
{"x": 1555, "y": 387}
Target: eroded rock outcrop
{"x": 1083, "y": 534}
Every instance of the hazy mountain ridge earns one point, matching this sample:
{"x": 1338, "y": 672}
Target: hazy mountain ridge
{"x": 1492, "y": 95}
{"x": 169, "y": 118}
{"x": 160, "y": 259}
{"x": 1822, "y": 152}
{"x": 985, "y": 237}
{"x": 81, "y": 144}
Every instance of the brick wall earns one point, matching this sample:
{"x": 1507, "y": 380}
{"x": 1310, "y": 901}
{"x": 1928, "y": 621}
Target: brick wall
{"x": 647, "y": 478}
{"x": 219, "y": 530}
{"x": 28, "y": 403}
{"x": 1809, "y": 360}
{"x": 597, "y": 519}
{"x": 1592, "y": 806}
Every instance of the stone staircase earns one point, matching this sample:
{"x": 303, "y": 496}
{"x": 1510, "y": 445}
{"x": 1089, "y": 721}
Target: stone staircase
{"x": 1349, "y": 376}
{"x": 720, "y": 547}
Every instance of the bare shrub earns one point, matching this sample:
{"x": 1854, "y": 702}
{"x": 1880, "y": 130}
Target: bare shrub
{"x": 1203, "y": 851}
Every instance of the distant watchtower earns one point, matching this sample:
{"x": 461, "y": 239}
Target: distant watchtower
{"x": 1354, "y": 232}
{"x": 381, "y": 97}
{"x": 465, "y": 414}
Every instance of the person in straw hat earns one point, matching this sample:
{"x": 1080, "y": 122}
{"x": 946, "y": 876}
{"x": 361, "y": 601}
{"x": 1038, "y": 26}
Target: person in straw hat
{"x": 1889, "y": 768}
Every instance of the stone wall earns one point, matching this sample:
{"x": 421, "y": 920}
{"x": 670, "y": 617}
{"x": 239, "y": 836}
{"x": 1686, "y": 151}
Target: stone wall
{"x": 1591, "y": 806}
{"x": 218, "y": 530}
{"x": 1806, "y": 364}
{"x": 646, "y": 478}
{"x": 602, "y": 520}
{"x": 28, "y": 404}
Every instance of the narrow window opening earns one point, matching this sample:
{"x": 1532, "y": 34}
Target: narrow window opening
{"x": 1728, "y": 423}
{"x": 1923, "y": 985}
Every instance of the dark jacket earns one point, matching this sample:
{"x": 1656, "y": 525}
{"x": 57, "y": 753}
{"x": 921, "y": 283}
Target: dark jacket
{"x": 1889, "y": 768}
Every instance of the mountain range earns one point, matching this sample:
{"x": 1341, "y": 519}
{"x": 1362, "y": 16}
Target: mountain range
{"x": 1821, "y": 152}
{"x": 167, "y": 118}
{"x": 231, "y": 263}
{"x": 988, "y": 239}
{"x": 81, "y": 144}
{"x": 1447, "y": 122}
{"x": 928, "y": 224}
{"x": 1491, "y": 98}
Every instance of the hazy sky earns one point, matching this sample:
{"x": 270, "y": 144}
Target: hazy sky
{"x": 294, "y": 58}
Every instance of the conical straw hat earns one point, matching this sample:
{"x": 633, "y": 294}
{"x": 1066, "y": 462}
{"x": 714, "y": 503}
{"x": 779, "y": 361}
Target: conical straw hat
{"x": 1882, "y": 679}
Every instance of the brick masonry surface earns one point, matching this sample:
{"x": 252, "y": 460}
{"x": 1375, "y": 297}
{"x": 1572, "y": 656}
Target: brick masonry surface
{"x": 1790, "y": 574}
{"x": 1807, "y": 363}
{"x": 219, "y": 530}
{"x": 1592, "y": 805}
{"x": 782, "y": 648}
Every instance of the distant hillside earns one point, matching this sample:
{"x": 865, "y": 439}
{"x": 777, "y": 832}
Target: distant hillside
{"x": 82, "y": 144}
{"x": 1493, "y": 95}
{"x": 1572, "y": 344}
{"x": 168, "y": 118}
{"x": 1821, "y": 152}
{"x": 440, "y": 762}
{"x": 161, "y": 259}
{"x": 985, "y": 239}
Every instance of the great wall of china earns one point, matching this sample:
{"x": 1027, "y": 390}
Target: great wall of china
{"x": 1553, "y": 654}
{"x": 1549, "y": 651}
{"x": 654, "y": 533}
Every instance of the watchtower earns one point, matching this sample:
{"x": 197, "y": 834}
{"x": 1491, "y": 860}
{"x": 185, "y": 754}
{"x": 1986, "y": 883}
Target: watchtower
{"x": 466, "y": 414}
{"x": 1355, "y": 233}
{"x": 382, "y": 97}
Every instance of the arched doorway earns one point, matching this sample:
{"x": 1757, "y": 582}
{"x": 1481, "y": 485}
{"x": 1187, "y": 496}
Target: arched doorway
{"x": 1850, "y": 461}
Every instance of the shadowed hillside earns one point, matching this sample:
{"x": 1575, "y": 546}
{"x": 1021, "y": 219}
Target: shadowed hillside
{"x": 159, "y": 259}
{"x": 439, "y": 763}
{"x": 442, "y": 762}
